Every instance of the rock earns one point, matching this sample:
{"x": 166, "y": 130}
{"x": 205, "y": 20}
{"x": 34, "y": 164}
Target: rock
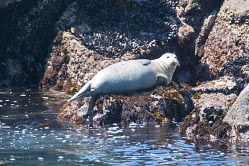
{"x": 217, "y": 94}
{"x": 228, "y": 38}
{"x": 211, "y": 100}
{"x": 238, "y": 118}
{"x": 238, "y": 114}
{"x": 204, "y": 32}
{"x": 5, "y": 3}
{"x": 217, "y": 100}
{"x": 72, "y": 64}
{"x": 161, "y": 105}
{"x": 27, "y": 29}
{"x": 134, "y": 25}
{"x": 223, "y": 51}
{"x": 224, "y": 84}
{"x": 206, "y": 124}
{"x": 238, "y": 69}
{"x": 185, "y": 33}
{"x": 209, "y": 37}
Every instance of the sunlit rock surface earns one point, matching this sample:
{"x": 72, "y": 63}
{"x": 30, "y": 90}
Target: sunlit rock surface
{"x": 224, "y": 59}
{"x": 238, "y": 116}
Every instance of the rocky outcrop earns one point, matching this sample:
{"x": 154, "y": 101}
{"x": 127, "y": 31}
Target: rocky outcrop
{"x": 224, "y": 59}
{"x": 27, "y": 29}
{"x": 228, "y": 40}
{"x": 136, "y": 30}
{"x": 210, "y": 39}
{"x": 72, "y": 64}
{"x": 161, "y": 105}
{"x": 85, "y": 46}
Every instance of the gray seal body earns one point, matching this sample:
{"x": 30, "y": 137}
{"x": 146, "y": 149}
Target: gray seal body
{"x": 129, "y": 76}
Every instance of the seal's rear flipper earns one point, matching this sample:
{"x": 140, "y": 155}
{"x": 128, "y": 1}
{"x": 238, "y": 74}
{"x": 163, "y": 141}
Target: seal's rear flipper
{"x": 83, "y": 92}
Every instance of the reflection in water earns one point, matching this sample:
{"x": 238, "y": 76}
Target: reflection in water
{"x": 30, "y": 135}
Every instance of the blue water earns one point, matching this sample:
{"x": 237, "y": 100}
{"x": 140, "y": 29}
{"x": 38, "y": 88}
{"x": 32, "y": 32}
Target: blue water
{"x": 31, "y": 135}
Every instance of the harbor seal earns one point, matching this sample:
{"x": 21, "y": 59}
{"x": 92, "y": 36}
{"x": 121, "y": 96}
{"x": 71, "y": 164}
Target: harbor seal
{"x": 129, "y": 76}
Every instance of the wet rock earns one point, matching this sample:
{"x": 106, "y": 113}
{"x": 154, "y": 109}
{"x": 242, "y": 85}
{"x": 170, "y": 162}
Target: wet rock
{"x": 75, "y": 111}
{"x": 211, "y": 100}
{"x": 161, "y": 105}
{"x": 206, "y": 124}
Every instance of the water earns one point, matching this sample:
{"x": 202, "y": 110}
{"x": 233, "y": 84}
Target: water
{"x": 30, "y": 135}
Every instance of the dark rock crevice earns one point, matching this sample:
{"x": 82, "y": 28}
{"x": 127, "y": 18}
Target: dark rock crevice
{"x": 196, "y": 28}
{"x": 27, "y": 31}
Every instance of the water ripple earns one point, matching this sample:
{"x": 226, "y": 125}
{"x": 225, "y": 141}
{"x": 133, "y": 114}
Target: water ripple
{"x": 30, "y": 135}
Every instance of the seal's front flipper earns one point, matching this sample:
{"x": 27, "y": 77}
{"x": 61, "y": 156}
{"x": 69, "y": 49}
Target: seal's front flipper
{"x": 83, "y": 92}
{"x": 162, "y": 79}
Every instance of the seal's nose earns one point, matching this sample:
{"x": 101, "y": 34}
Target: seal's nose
{"x": 176, "y": 62}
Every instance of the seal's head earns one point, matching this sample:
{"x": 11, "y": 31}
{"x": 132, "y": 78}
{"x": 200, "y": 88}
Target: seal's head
{"x": 169, "y": 61}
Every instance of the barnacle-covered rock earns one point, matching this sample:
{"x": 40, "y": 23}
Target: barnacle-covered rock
{"x": 161, "y": 105}
{"x": 206, "y": 124}
{"x": 224, "y": 67}
{"x": 228, "y": 38}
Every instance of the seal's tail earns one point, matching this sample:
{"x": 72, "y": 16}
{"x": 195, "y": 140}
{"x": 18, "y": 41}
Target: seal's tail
{"x": 83, "y": 92}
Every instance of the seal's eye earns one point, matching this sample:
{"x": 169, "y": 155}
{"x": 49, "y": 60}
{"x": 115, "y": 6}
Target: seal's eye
{"x": 167, "y": 56}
